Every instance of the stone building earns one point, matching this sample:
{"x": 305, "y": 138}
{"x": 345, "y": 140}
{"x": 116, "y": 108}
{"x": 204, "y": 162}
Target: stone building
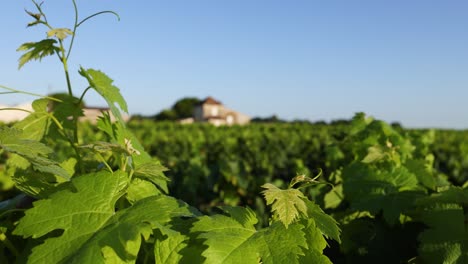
{"x": 214, "y": 112}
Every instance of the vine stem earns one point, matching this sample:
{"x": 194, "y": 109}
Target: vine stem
{"x": 12, "y": 90}
{"x": 16, "y": 109}
{"x": 10, "y": 246}
{"x": 74, "y": 29}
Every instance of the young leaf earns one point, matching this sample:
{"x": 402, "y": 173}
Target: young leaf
{"x": 374, "y": 154}
{"x": 103, "y": 85}
{"x": 90, "y": 224}
{"x": 286, "y": 205}
{"x": 36, "y": 16}
{"x": 60, "y": 33}
{"x": 37, "y": 50}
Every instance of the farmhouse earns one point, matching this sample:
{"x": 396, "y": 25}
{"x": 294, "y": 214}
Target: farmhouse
{"x": 214, "y": 112}
{"x": 14, "y": 115}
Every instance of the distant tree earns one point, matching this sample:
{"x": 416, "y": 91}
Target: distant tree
{"x": 139, "y": 117}
{"x": 183, "y": 108}
{"x": 271, "y": 119}
{"x": 397, "y": 126}
{"x": 320, "y": 122}
{"x": 301, "y": 121}
{"x": 340, "y": 122}
{"x": 165, "y": 115}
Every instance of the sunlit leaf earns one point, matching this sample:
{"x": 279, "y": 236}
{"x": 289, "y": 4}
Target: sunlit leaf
{"x": 60, "y": 33}
{"x": 286, "y": 205}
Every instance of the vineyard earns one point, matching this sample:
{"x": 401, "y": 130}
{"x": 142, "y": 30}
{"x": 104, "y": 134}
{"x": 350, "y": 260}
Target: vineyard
{"x": 145, "y": 192}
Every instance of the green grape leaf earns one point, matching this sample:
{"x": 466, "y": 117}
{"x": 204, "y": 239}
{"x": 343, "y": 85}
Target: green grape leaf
{"x": 423, "y": 171}
{"x": 168, "y": 245}
{"x": 103, "y": 85}
{"x": 35, "y": 125}
{"x": 374, "y": 154}
{"x": 245, "y": 216}
{"x": 49, "y": 166}
{"x": 146, "y": 166}
{"x": 334, "y": 197}
{"x": 229, "y": 241}
{"x": 152, "y": 171}
{"x": 60, "y": 33}
{"x": 67, "y": 109}
{"x": 37, "y": 50}
{"x": 103, "y": 147}
{"x": 278, "y": 244}
{"x": 11, "y": 140}
{"x": 286, "y": 205}
{"x": 139, "y": 189}
{"x": 446, "y": 240}
{"x": 316, "y": 244}
{"x": 90, "y": 223}
{"x": 456, "y": 195}
{"x": 218, "y": 230}
{"x": 325, "y": 223}
{"x": 373, "y": 190}
{"x": 140, "y": 158}
{"x": 35, "y": 184}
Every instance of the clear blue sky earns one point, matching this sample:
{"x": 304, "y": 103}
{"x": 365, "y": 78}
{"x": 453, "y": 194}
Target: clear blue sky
{"x": 397, "y": 60}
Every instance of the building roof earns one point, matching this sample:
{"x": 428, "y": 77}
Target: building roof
{"x": 96, "y": 108}
{"x": 211, "y": 100}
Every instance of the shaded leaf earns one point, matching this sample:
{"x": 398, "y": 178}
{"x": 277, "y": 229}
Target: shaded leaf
{"x": 12, "y": 140}
{"x": 245, "y": 216}
{"x": 316, "y": 244}
{"x": 168, "y": 245}
{"x": 37, "y": 50}
{"x": 446, "y": 240}
{"x": 35, "y": 125}
{"x": 325, "y": 223}
{"x": 369, "y": 189}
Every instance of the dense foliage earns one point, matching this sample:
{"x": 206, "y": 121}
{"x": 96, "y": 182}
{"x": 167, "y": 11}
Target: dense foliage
{"x": 384, "y": 178}
{"x": 358, "y": 191}
{"x": 70, "y": 198}
{"x": 183, "y": 108}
